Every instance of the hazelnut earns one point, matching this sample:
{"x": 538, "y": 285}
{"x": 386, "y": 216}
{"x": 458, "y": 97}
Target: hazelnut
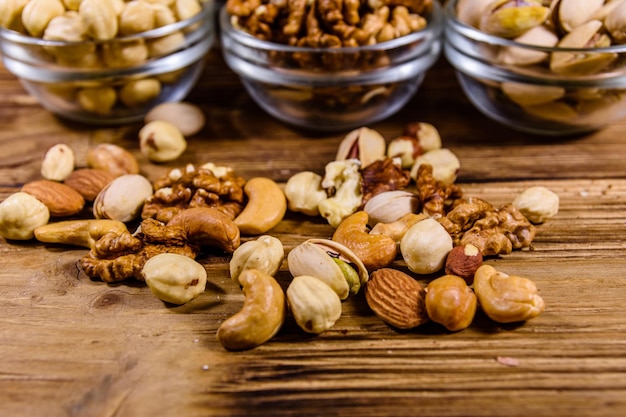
{"x": 463, "y": 261}
{"x": 450, "y": 302}
{"x": 537, "y": 204}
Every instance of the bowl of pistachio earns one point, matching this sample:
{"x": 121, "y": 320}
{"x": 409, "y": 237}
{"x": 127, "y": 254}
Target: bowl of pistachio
{"x": 106, "y": 61}
{"x": 544, "y": 67}
{"x": 331, "y": 66}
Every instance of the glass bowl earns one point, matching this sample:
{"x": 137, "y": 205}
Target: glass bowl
{"x": 539, "y": 83}
{"x": 114, "y": 81}
{"x": 332, "y": 88}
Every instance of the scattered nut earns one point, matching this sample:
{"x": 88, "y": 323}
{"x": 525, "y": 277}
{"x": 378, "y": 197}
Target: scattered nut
{"x": 374, "y": 250}
{"x": 261, "y": 317}
{"x": 123, "y": 198}
{"x": 396, "y": 230}
{"x": 330, "y": 262}
{"x": 314, "y": 305}
{"x": 426, "y": 134}
{"x": 425, "y": 246}
{"x": 61, "y": 200}
{"x": 174, "y": 278}
{"x": 445, "y": 165}
{"x": 304, "y": 192}
{"x": 390, "y": 206}
{"x": 463, "y": 261}
{"x": 342, "y": 180}
{"x": 450, "y": 302}
{"x": 112, "y": 158}
{"x": 58, "y": 162}
{"x": 187, "y": 117}
{"x": 504, "y": 298}
{"x": 406, "y": 148}
{"x": 266, "y": 254}
{"x": 83, "y": 233}
{"x": 207, "y": 226}
{"x": 265, "y": 208}
{"x": 161, "y": 141}
{"x": 89, "y": 182}
{"x": 396, "y": 298}
{"x": 20, "y": 215}
{"x": 537, "y": 204}
{"x": 363, "y": 144}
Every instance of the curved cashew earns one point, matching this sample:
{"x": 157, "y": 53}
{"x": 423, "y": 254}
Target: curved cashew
{"x": 208, "y": 226}
{"x": 266, "y": 206}
{"x": 504, "y": 298}
{"x": 375, "y": 250}
{"x": 78, "y": 232}
{"x": 261, "y": 317}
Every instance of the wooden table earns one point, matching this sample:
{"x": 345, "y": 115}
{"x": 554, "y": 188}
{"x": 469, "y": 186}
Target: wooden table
{"x": 71, "y": 346}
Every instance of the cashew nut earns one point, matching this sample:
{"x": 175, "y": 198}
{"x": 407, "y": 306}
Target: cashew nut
{"x": 266, "y": 206}
{"x": 375, "y": 250}
{"x": 206, "y": 226}
{"x": 504, "y": 298}
{"x": 78, "y": 232}
{"x": 261, "y": 317}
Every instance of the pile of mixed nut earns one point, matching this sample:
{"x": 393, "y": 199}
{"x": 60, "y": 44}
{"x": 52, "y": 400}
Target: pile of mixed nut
{"x": 391, "y": 204}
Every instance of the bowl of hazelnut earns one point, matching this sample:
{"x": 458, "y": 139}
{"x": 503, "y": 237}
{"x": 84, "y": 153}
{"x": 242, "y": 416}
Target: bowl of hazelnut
{"x": 106, "y": 61}
{"x": 550, "y": 68}
{"x": 331, "y": 65}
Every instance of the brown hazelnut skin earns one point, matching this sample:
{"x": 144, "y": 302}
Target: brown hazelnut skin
{"x": 463, "y": 261}
{"x": 450, "y": 302}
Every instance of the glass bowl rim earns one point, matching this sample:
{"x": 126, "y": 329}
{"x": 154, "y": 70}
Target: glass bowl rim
{"x": 470, "y": 32}
{"x": 434, "y": 28}
{"x": 10, "y": 35}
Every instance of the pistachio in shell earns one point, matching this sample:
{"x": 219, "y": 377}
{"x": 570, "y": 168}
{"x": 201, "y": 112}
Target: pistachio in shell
{"x": 567, "y": 15}
{"x": 511, "y": 18}
{"x": 316, "y": 257}
{"x": 580, "y": 62}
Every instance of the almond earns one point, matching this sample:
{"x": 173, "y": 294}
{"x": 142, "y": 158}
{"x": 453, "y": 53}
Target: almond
{"x": 396, "y": 298}
{"x": 61, "y": 200}
{"x": 89, "y": 182}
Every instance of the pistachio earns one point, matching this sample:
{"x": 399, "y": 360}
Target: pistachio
{"x": 315, "y": 257}
{"x": 511, "y": 18}
{"x": 389, "y": 206}
{"x": 539, "y": 36}
{"x": 569, "y": 14}
{"x": 531, "y": 94}
{"x": 123, "y": 198}
{"x": 588, "y": 35}
{"x": 615, "y": 21}
{"x": 364, "y": 144}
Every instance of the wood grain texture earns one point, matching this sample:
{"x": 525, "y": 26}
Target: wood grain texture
{"x": 71, "y": 346}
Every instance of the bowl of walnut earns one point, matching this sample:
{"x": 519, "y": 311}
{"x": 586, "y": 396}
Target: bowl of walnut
{"x": 545, "y": 67}
{"x": 106, "y": 61}
{"x": 331, "y": 65}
